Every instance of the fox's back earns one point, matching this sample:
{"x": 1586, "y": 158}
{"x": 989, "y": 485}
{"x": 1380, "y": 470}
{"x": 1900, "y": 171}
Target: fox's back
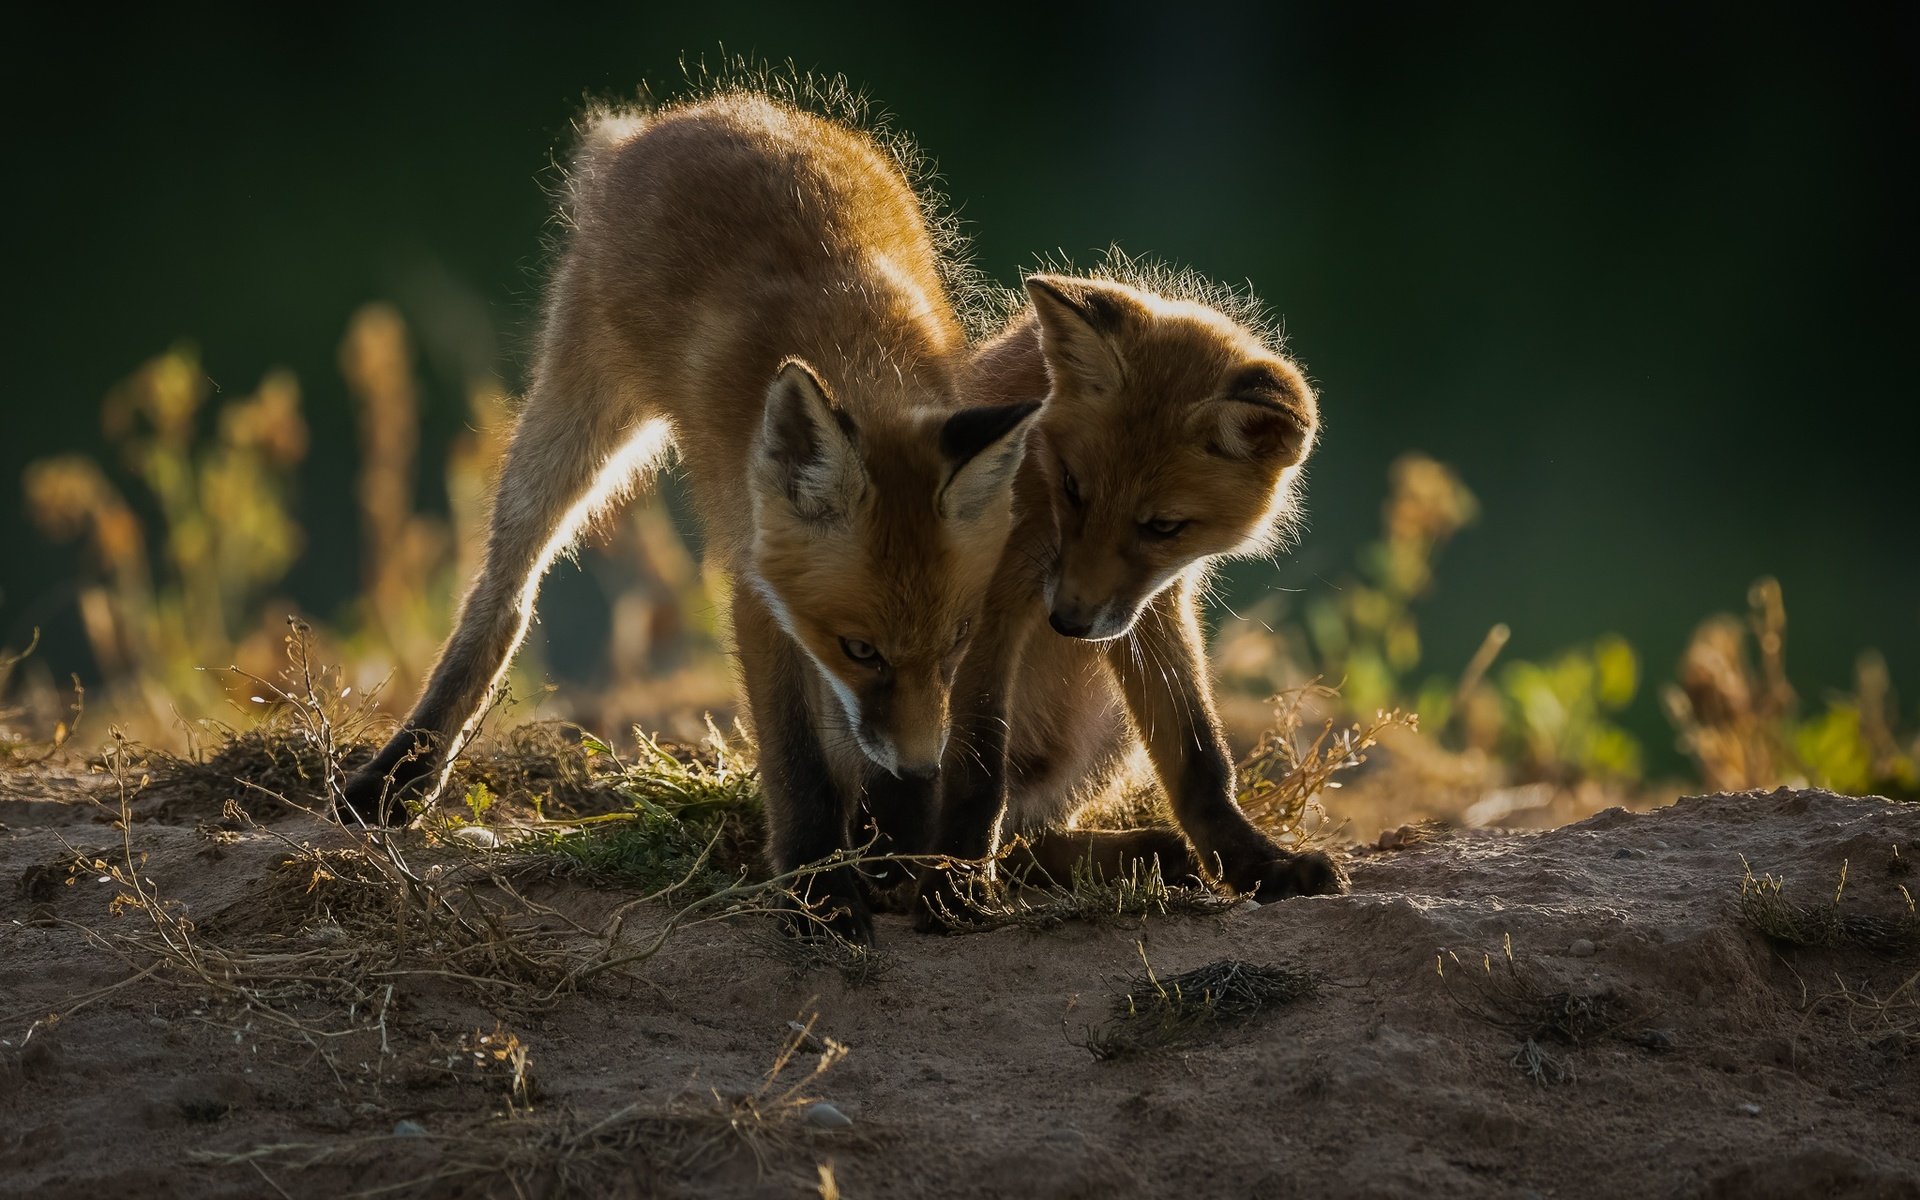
{"x": 712, "y": 241}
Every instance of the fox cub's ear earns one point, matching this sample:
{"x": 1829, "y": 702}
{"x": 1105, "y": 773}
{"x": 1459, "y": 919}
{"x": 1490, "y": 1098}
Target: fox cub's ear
{"x": 1266, "y": 415}
{"x": 1079, "y": 322}
{"x": 982, "y": 447}
{"x": 809, "y": 447}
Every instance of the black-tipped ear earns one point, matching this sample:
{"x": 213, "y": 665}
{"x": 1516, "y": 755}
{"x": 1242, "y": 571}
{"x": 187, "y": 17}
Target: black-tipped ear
{"x": 809, "y": 446}
{"x": 1265, "y": 414}
{"x": 1103, "y": 307}
{"x": 1079, "y": 322}
{"x": 971, "y": 430}
{"x": 982, "y": 447}
{"x": 1257, "y": 431}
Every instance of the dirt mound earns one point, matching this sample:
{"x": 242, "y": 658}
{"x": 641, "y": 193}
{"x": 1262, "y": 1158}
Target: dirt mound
{"x": 1669, "y": 1003}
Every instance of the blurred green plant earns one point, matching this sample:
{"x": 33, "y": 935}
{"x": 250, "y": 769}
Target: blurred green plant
{"x": 183, "y": 570}
{"x": 225, "y": 538}
{"x": 17, "y": 749}
{"x": 1549, "y": 721}
{"x": 1738, "y": 715}
{"x": 185, "y": 566}
{"x": 1556, "y": 721}
{"x": 1365, "y": 634}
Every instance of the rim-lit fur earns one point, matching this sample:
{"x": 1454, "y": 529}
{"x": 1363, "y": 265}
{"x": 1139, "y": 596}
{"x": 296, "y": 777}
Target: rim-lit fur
{"x": 1159, "y": 409}
{"x": 755, "y": 287}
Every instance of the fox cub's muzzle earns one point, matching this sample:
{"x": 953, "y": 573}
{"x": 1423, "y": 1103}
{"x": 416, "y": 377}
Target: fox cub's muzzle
{"x": 1095, "y": 593}
{"x": 901, "y": 724}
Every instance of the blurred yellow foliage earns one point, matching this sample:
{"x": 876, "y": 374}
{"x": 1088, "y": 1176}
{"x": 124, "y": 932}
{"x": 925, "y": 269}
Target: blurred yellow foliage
{"x": 184, "y": 576}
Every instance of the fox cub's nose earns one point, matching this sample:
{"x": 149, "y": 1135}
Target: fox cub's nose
{"x": 908, "y": 757}
{"x": 1071, "y": 625}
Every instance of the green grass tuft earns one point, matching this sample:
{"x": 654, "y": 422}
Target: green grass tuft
{"x": 693, "y": 817}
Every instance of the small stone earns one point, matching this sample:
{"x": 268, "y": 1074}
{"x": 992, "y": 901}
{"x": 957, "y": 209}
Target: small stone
{"x": 822, "y": 1115}
{"x": 477, "y": 836}
{"x": 409, "y": 1129}
{"x": 1623, "y": 852}
{"x": 1581, "y": 948}
{"x": 1749, "y": 1108}
{"x": 1658, "y": 1041}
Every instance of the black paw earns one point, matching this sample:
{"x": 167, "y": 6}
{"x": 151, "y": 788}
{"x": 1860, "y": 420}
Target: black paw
{"x": 829, "y": 905}
{"x": 376, "y": 794}
{"x": 893, "y": 820}
{"x": 1302, "y": 873}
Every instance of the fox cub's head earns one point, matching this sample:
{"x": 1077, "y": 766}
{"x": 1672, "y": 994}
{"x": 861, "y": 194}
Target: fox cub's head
{"x": 1173, "y": 435}
{"x": 874, "y": 547}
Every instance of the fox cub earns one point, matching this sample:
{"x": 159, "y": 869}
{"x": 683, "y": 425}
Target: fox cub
{"x": 1171, "y": 437}
{"x": 757, "y": 288}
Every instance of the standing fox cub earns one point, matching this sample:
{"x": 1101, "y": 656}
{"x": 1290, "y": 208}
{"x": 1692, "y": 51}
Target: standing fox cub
{"x": 1171, "y": 436}
{"x": 758, "y": 288}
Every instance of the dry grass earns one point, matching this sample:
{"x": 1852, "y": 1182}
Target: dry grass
{"x": 19, "y": 750}
{"x": 1888, "y": 1020}
{"x": 320, "y": 963}
{"x": 1283, "y": 778}
{"x": 856, "y": 963}
{"x": 1524, "y": 1000}
{"x": 1089, "y": 895}
{"x": 318, "y": 955}
{"x": 565, "y": 1153}
{"x": 1763, "y": 904}
{"x": 1157, "y": 1014}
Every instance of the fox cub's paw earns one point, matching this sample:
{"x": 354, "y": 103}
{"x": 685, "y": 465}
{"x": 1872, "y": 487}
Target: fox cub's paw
{"x": 829, "y": 905}
{"x": 375, "y": 794}
{"x": 1304, "y": 873}
{"x": 368, "y": 798}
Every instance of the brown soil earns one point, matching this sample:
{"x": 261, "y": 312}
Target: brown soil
{"x": 1682, "y": 1052}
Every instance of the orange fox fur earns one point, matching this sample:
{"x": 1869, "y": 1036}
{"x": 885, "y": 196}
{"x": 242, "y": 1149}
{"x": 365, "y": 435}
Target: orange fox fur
{"x": 1172, "y": 436}
{"x": 756, "y": 287}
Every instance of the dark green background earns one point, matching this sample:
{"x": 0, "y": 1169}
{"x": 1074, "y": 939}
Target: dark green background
{"x": 1644, "y": 278}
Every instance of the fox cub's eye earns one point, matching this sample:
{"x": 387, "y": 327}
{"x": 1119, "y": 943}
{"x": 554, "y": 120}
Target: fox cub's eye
{"x": 960, "y": 632}
{"x": 1161, "y": 527}
{"x": 1070, "y": 485}
{"x": 861, "y": 652}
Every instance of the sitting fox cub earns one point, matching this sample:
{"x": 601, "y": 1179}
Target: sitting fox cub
{"x": 757, "y": 287}
{"x": 1171, "y": 436}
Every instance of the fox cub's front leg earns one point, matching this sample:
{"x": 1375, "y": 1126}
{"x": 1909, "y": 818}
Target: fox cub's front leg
{"x": 807, "y": 817}
{"x": 1167, "y": 691}
{"x": 896, "y": 818}
{"x": 973, "y": 776}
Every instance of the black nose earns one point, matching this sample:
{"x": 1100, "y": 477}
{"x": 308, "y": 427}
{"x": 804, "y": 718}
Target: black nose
{"x": 928, "y": 771}
{"x": 1071, "y": 629}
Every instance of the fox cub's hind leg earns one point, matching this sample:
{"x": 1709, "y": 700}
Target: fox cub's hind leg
{"x": 1055, "y": 856}
{"x": 1162, "y": 667}
{"x": 808, "y": 819}
{"x": 575, "y": 447}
